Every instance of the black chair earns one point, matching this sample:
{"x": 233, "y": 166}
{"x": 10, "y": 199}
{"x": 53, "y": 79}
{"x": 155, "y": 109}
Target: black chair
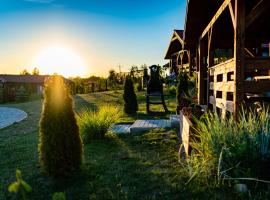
{"x": 155, "y": 89}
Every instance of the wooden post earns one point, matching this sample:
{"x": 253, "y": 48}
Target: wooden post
{"x": 269, "y": 49}
{"x": 201, "y": 74}
{"x": 210, "y": 61}
{"x": 181, "y": 57}
{"x": 239, "y": 45}
{"x": 189, "y": 63}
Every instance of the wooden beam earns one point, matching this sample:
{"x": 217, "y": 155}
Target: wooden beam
{"x": 257, "y": 86}
{"x": 239, "y": 58}
{"x": 249, "y": 52}
{"x": 253, "y": 64}
{"x": 222, "y": 86}
{"x": 222, "y": 68}
{"x": 189, "y": 63}
{"x": 210, "y": 61}
{"x": 201, "y": 73}
{"x": 216, "y": 16}
{"x": 232, "y": 14}
{"x": 256, "y": 11}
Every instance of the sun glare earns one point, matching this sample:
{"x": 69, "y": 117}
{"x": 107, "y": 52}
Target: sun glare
{"x": 60, "y": 60}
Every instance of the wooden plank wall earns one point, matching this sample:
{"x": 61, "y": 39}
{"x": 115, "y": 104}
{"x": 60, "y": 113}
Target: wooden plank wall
{"x": 221, "y": 87}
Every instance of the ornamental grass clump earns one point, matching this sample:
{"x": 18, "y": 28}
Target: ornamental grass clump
{"x": 229, "y": 150}
{"x": 95, "y": 124}
{"x": 130, "y": 98}
{"x": 60, "y": 144}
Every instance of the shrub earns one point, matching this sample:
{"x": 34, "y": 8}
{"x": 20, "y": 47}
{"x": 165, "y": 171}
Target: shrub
{"x": 96, "y": 124}
{"x": 60, "y": 144}
{"x": 130, "y": 98}
{"x": 228, "y": 149}
{"x": 182, "y": 86}
{"x": 139, "y": 85}
{"x": 172, "y": 90}
{"x": 19, "y": 186}
{"x": 59, "y": 196}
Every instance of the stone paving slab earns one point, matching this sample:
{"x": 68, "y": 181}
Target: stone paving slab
{"x": 9, "y": 116}
{"x": 175, "y": 120}
{"x": 145, "y": 125}
{"x": 121, "y": 128}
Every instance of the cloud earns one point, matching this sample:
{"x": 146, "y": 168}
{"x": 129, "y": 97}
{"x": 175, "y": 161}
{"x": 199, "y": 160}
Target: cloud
{"x": 40, "y": 1}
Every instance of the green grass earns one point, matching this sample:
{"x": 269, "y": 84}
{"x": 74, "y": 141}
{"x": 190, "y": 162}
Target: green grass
{"x": 117, "y": 167}
{"x": 96, "y": 100}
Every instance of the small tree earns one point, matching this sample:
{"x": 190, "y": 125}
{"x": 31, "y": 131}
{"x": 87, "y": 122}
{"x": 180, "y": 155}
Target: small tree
{"x": 24, "y": 72}
{"x": 182, "y": 93}
{"x": 130, "y": 98}
{"x": 60, "y": 144}
{"x": 35, "y": 71}
{"x": 182, "y": 86}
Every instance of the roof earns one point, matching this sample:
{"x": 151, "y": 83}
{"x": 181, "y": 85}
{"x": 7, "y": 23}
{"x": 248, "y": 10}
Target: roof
{"x": 176, "y": 43}
{"x": 199, "y": 14}
{"x": 23, "y": 78}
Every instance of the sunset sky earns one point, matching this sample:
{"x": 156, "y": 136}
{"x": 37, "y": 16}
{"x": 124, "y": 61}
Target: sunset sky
{"x": 85, "y": 37}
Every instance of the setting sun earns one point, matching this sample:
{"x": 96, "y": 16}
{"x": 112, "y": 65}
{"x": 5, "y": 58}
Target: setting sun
{"x": 60, "y": 60}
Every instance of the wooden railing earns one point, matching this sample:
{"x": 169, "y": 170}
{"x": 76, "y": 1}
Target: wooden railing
{"x": 253, "y": 64}
{"x": 221, "y": 87}
{"x": 258, "y": 69}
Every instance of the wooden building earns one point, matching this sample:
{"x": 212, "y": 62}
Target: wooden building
{"x": 177, "y": 56}
{"x": 32, "y": 84}
{"x": 229, "y": 40}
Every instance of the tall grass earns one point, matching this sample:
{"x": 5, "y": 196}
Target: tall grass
{"x": 226, "y": 149}
{"x": 95, "y": 124}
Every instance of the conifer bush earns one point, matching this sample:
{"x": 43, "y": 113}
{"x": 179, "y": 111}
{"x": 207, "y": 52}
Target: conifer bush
{"x": 60, "y": 143}
{"x": 182, "y": 86}
{"x": 130, "y": 98}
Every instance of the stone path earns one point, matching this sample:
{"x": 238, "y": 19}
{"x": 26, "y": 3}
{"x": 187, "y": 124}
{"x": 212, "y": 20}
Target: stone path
{"x": 121, "y": 128}
{"x": 175, "y": 120}
{"x": 9, "y": 116}
{"x": 145, "y": 125}
{"x": 140, "y": 126}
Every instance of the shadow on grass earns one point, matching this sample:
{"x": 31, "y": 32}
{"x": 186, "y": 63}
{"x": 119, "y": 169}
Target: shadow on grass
{"x": 121, "y": 171}
{"x": 81, "y": 103}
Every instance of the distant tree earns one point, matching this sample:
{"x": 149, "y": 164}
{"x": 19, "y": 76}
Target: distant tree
{"x": 133, "y": 71}
{"x": 35, "y": 71}
{"x": 143, "y": 67}
{"x": 112, "y": 77}
{"x": 130, "y": 98}
{"x": 60, "y": 144}
{"x": 24, "y": 72}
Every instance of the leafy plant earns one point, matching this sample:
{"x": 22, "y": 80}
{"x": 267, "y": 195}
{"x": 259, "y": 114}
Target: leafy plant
{"x": 96, "y": 124}
{"x": 59, "y": 196}
{"x": 182, "y": 86}
{"x": 130, "y": 98}
{"x": 19, "y": 186}
{"x": 172, "y": 90}
{"x": 60, "y": 144}
{"x": 227, "y": 149}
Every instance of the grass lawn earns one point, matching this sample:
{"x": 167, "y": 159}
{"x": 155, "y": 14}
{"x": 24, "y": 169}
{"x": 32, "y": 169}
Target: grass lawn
{"x": 119, "y": 167}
